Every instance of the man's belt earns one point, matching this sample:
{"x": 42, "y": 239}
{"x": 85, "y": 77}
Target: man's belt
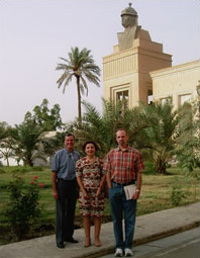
{"x": 67, "y": 180}
{"x": 128, "y": 183}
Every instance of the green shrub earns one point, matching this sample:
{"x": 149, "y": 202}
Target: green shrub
{"x": 149, "y": 168}
{"x": 177, "y": 195}
{"x": 23, "y": 206}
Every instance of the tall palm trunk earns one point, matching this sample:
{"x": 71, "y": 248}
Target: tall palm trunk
{"x": 79, "y": 98}
{"x": 160, "y": 165}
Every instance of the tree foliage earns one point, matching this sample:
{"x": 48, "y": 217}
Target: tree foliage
{"x": 158, "y": 135}
{"x": 7, "y": 141}
{"x": 102, "y": 127}
{"x": 48, "y": 119}
{"x": 187, "y": 137}
{"x": 150, "y": 128}
{"x": 28, "y": 138}
{"x": 81, "y": 66}
{"x": 157, "y": 130}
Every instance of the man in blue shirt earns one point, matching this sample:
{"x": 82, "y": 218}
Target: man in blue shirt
{"x": 65, "y": 190}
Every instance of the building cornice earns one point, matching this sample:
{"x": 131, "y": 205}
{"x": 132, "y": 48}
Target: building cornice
{"x": 177, "y": 68}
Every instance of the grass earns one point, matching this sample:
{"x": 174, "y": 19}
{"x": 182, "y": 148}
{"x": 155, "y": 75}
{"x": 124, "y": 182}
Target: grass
{"x": 155, "y": 195}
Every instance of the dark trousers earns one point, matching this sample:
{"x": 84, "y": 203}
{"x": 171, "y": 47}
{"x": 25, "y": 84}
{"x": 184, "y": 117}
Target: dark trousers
{"x": 65, "y": 209}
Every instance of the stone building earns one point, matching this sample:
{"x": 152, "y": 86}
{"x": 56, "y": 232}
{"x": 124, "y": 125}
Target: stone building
{"x": 178, "y": 82}
{"x": 139, "y": 71}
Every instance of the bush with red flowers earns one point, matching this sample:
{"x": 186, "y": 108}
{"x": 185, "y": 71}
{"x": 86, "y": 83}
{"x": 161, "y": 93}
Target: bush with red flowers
{"x": 23, "y": 206}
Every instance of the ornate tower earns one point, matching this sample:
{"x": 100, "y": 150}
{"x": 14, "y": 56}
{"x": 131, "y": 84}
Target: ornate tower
{"x": 126, "y": 70}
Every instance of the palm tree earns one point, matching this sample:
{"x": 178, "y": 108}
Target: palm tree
{"x": 101, "y": 128}
{"x": 29, "y": 140}
{"x": 79, "y": 65}
{"x": 158, "y": 136}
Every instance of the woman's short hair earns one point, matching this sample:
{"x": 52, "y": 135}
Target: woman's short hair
{"x": 90, "y": 142}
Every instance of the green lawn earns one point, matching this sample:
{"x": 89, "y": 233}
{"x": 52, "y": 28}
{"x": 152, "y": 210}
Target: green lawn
{"x": 155, "y": 195}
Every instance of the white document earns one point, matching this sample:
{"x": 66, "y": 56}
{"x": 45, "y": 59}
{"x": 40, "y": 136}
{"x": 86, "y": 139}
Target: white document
{"x": 129, "y": 191}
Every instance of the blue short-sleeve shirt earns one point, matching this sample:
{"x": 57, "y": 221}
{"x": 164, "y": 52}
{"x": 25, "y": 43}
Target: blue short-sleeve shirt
{"x": 64, "y": 164}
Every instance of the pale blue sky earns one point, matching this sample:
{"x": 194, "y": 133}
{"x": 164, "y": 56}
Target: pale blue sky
{"x": 35, "y": 33}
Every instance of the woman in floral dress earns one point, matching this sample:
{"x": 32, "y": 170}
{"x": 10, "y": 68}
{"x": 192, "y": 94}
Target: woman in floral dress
{"x": 91, "y": 180}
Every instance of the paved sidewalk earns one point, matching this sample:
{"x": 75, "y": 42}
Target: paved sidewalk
{"x": 148, "y": 228}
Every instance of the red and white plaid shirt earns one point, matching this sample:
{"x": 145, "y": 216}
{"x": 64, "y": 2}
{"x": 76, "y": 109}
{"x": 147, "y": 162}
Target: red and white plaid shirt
{"x": 124, "y": 165}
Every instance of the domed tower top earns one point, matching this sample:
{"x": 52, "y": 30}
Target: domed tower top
{"x": 129, "y": 11}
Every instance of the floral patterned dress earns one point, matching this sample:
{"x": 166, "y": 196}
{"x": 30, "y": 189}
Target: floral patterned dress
{"x": 90, "y": 174}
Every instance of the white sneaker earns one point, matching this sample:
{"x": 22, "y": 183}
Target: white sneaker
{"x": 119, "y": 252}
{"x": 128, "y": 252}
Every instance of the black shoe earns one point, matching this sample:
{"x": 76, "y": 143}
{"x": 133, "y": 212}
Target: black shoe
{"x": 60, "y": 245}
{"x": 71, "y": 240}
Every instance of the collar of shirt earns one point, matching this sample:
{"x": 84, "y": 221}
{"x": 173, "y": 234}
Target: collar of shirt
{"x": 125, "y": 149}
{"x": 69, "y": 152}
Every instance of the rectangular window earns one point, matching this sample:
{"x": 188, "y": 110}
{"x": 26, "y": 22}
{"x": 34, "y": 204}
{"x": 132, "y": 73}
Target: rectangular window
{"x": 150, "y": 97}
{"x": 184, "y": 98}
{"x": 122, "y": 96}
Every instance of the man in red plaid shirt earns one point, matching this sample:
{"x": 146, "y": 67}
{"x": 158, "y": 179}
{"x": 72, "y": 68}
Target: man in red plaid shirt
{"x": 123, "y": 166}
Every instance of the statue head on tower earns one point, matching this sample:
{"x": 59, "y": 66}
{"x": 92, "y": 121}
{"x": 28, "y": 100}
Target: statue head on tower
{"x": 129, "y": 20}
{"x": 129, "y": 17}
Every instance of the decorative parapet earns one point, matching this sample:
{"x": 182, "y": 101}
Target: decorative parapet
{"x": 120, "y": 64}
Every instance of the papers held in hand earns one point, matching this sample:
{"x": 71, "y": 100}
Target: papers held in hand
{"x": 129, "y": 191}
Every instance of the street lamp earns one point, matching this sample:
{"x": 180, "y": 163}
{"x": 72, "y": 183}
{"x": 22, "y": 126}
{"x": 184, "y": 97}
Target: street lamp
{"x": 198, "y": 88}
